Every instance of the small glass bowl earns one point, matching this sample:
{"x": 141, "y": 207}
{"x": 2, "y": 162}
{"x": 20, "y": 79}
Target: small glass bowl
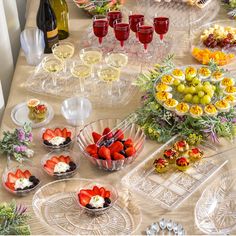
{"x": 64, "y": 175}
{"x": 133, "y": 131}
{"x": 99, "y": 211}
{"x": 60, "y": 147}
{"x": 21, "y": 193}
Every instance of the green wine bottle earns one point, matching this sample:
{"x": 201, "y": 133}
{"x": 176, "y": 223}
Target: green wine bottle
{"x": 60, "y": 8}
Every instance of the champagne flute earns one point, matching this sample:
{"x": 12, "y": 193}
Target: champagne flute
{"x": 82, "y": 72}
{"x": 100, "y": 27}
{"x": 108, "y": 74}
{"x": 52, "y": 66}
{"x": 116, "y": 59}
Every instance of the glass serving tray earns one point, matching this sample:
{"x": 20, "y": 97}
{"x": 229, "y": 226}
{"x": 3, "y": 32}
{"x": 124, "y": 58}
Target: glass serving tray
{"x": 56, "y": 206}
{"x": 172, "y": 188}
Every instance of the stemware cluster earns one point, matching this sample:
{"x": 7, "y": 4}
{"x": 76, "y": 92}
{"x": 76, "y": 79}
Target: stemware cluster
{"x": 135, "y": 22}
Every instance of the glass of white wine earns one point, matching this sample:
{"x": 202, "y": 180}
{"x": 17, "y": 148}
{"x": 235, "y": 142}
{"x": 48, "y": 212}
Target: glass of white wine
{"x": 52, "y": 66}
{"x": 82, "y": 72}
{"x": 108, "y": 74}
{"x": 91, "y": 56}
{"x": 116, "y": 59}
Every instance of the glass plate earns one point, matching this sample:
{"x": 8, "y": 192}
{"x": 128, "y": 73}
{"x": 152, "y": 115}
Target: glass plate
{"x": 19, "y": 115}
{"x": 172, "y": 188}
{"x": 215, "y": 211}
{"x": 56, "y": 206}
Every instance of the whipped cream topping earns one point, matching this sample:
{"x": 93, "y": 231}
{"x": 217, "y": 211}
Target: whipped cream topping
{"x": 61, "y": 167}
{"x": 97, "y": 201}
{"x": 22, "y": 183}
{"x": 57, "y": 140}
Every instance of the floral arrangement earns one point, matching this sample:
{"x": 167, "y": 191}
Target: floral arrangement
{"x": 231, "y": 6}
{"x": 161, "y": 124}
{"x": 99, "y": 7}
{"x": 13, "y": 219}
{"x": 16, "y": 144}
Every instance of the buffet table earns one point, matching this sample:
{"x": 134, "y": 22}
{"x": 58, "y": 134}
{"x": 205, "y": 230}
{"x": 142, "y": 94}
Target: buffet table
{"x": 78, "y": 22}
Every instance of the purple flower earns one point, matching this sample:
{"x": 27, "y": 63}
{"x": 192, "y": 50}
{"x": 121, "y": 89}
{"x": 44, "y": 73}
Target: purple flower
{"x": 234, "y": 120}
{"x": 21, "y": 135}
{"x": 23, "y": 148}
{"x": 144, "y": 97}
{"x": 223, "y": 119}
{"x": 30, "y": 137}
{"x": 17, "y": 148}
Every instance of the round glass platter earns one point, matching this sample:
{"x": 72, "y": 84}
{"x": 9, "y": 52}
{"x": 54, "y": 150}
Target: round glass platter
{"x": 56, "y": 206}
{"x": 215, "y": 211}
{"x": 190, "y": 15}
{"x": 19, "y": 115}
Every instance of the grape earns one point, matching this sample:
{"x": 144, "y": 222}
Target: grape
{"x": 201, "y": 94}
{"x": 207, "y": 88}
{"x": 181, "y": 88}
{"x": 210, "y": 93}
{"x": 202, "y": 101}
{"x": 196, "y": 81}
{"x": 192, "y": 89}
{"x": 199, "y": 87}
{"x": 176, "y": 82}
{"x": 213, "y": 87}
{"x": 206, "y": 83}
{"x": 195, "y": 99}
{"x": 186, "y": 90}
{"x": 188, "y": 97}
{"x": 189, "y": 78}
{"x": 206, "y": 99}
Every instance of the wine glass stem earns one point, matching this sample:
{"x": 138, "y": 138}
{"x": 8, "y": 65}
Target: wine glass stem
{"x": 109, "y": 89}
{"x": 54, "y": 80}
{"x": 122, "y": 44}
{"x": 81, "y": 80}
{"x": 100, "y": 40}
{"x": 161, "y": 37}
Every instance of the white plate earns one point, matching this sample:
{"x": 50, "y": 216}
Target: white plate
{"x": 19, "y": 115}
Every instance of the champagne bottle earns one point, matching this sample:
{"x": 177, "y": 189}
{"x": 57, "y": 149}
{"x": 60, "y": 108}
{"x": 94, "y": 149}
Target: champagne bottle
{"x": 46, "y": 21}
{"x": 62, "y": 15}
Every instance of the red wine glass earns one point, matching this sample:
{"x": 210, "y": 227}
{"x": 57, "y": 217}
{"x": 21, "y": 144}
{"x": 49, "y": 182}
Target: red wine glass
{"x": 114, "y": 16}
{"x": 122, "y": 31}
{"x": 145, "y": 36}
{"x": 135, "y": 20}
{"x": 161, "y": 25}
{"x": 100, "y": 27}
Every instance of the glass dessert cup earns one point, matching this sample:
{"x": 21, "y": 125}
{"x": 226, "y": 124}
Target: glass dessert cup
{"x": 132, "y": 131}
{"x": 63, "y": 175}
{"x": 64, "y": 145}
{"x": 98, "y": 211}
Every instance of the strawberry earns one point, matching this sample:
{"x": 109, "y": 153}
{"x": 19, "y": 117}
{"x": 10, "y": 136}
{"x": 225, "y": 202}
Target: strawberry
{"x": 55, "y": 159}
{"x": 119, "y": 134}
{"x": 67, "y": 159}
{"x": 129, "y": 143}
{"x": 47, "y": 137}
{"x": 62, "y": 158}
{"x": 68, "y": 134}
{"x": 95, "y": 155}
{"x": 104, "y": 152}
{"x": 41, "y": 108}
{"x": 64, "y": 133}
{"x": 92, "y": 149}
{"x": 88, "y": 192}
{"x": 48, "y": 169}
{"x": 130, "y": 151}
{"x": 96, "y": 136}
{"x": 102, "y": 192}
{"x": 96, "y": 190}
{"x": 58, "y": 132}
{"x": 50, "y": 132}
{"x": 116, "y": 147}
{"x": 19, "y": 174}
{"x": 27, "y": 174}
{"x": 107, "y": 194}
{"x": 118, "y": 156}
{"x": 11, "y": 178}
{"x": 84, "y": 199}
{"x": 10, "y": 185}
{"x": 106, "y": 132}
{"x": 50, "y": 164}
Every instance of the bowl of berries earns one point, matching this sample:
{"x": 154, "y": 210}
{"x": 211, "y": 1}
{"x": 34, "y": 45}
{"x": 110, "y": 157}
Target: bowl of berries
{"x": 60, "y": 165}
{"x": 57, "y": 138}
{"x": 96, "y": 198}
{"x": 20, "y": 180}
{"x": 111, "y": 149}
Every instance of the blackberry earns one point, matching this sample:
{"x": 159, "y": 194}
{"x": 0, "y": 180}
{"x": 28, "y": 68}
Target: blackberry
{"x": 32, "y": 178}
{"x": 107, "y": 200}
{"x": 105, "y": 205}
{"x": 72, "y": 165}
{"x": 89, "y": 206}
{"x": 47, "y": 143}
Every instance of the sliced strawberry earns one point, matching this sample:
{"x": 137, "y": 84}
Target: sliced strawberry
{"x": 51, "y": 164}
{"x": 10, "y": 185}
{"x": 58, "y": 132}
{"x": 55, "y": 159}
{"x": 129, "y": 143}
{"x": 118, "y": 156}
{"x": 102, "y": 192}
{"x": 119, "y": 135}
{"x": 68, "y": 134}
{"x": 50, "y": 132}
{"x": 116, "y": 147}
{"x": 96, "y": 190}
{"x": 96, "y": 136}
{"x": 107, "y": 194}
{"x": 48, "y": 169}
{"x": 67, "y": 159}
{"x": 84, "y": 199}
{"x": 27, "y": 174}
{"x": 11, "y": 178}
{"x": 92, "y": 149}
{"x": 19, "y": 174}
{"x": 130, "y": 151}
{"x": 106, "y": 132}
{"x": 105, "y": 152}
{"x": 62, "y": 158}
{"x": 95, "y": 155}
{"x": 64, "y": 133}
{"x": 47, "y": 137}
{"x": 88, "y": 192}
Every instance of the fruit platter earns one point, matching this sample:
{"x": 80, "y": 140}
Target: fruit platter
{"x": 173, "y": 172}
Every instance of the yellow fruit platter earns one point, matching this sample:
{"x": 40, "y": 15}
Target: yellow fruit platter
{"x": 196, "y": 91}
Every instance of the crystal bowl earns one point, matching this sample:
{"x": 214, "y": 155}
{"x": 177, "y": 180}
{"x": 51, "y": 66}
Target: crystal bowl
{"x": 89, "y": 185}
{"x": 215, "y": 211}
{"x": 133, "y": 131}
{"x": 64, "y": 175}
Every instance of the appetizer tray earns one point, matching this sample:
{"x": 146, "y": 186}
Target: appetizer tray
{"x": 172, "y": 188}
{"x": 56, "y": 206}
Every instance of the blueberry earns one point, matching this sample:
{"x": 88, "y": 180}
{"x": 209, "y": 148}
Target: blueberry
{"x": 32, "y": 186}
{"x": 105, "y": 205}
{"x": 32, "y": 178}
{"x": 107, "y": 200}
{"x": 25, "y": 188}
{"x": 69, "y": 170}
{"x": 18, "y": 189}
{"x": 36, "y": 182}
{"x": 89, "y": 206}
{"x": 123, "y": 153}
{"x": 72, "y": 165}
{"x": 68, "y": 140}
{"x": 47, "y": 143}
